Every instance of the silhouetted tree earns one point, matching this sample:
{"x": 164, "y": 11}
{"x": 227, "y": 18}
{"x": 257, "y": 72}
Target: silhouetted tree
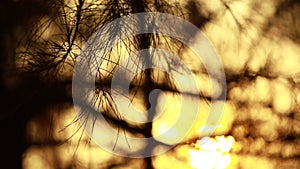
{"x": 41, "y": 40}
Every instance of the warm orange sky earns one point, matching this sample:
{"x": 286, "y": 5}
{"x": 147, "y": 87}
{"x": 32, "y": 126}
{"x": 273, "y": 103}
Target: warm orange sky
{"x": 261, "y": 59}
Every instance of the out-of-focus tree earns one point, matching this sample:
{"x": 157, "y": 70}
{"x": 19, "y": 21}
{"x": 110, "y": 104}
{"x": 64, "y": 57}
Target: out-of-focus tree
{"x": 258, "y": 43}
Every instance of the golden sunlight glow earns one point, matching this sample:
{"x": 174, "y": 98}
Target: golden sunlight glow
{"x": 212, "y": 153}
{"x": 260, "y": 123}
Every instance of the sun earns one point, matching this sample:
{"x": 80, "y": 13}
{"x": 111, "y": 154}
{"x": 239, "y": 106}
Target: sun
{"x": 211, "y": 153}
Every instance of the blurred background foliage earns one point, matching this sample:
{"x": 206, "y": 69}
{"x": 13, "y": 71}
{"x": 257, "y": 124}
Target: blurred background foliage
{"x": 257, "y": 41}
